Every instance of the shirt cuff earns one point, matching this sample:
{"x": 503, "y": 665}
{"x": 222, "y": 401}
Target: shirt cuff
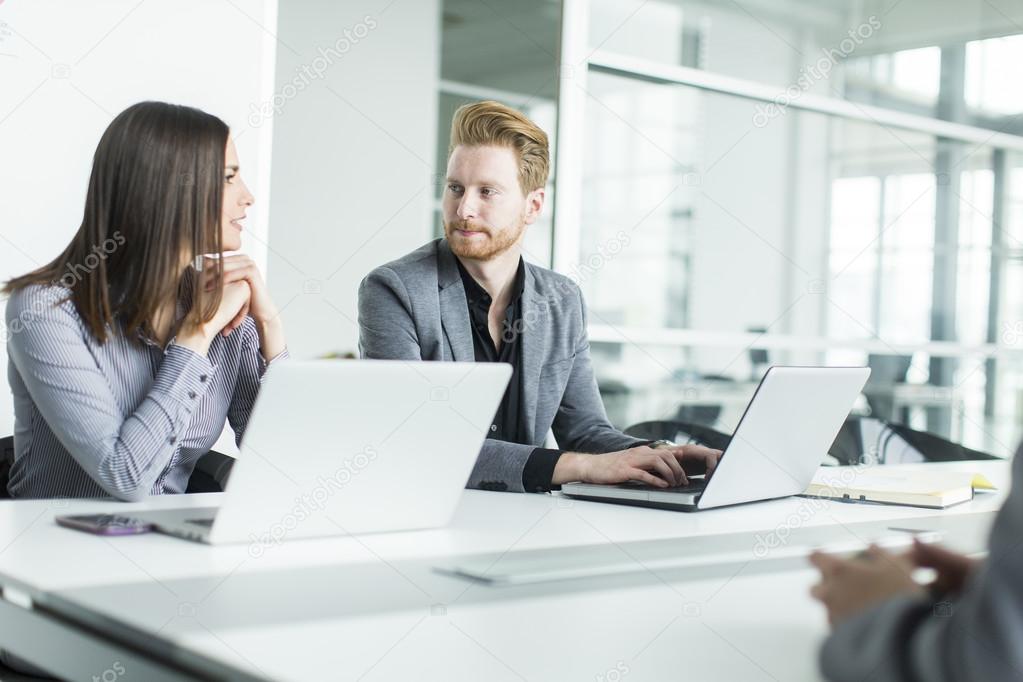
{"x": 539, "y": 470}
{"x": 283, "y": 355}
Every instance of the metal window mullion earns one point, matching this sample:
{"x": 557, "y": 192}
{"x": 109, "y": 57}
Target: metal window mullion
{"x": 1000, "y": 168}
{"x": 571, "y": 134}
{"x": 635, "y": 67}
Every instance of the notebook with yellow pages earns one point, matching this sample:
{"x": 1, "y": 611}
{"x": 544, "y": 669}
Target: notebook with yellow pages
{"x": 916, "y": 488}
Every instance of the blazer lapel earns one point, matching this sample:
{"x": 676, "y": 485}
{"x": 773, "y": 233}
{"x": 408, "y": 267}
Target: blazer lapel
{"x": 533, "y": 340}
{"x": 454, "y": 312}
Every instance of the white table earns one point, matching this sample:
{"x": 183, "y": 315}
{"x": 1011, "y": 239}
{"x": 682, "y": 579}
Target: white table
{"x": 374, "y": 608}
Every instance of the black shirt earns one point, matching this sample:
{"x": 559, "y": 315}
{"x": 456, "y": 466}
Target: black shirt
{"x": 509, "y": 424}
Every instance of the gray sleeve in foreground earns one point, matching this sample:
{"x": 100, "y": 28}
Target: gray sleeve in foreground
{"x": 976, "y": 636}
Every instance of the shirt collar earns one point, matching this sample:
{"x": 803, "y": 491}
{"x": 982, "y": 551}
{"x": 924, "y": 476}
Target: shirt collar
{"x": 475, "y": 293}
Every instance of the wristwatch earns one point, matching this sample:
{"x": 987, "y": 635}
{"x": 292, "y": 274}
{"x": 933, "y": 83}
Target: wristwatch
{"x": 663, "y": 443}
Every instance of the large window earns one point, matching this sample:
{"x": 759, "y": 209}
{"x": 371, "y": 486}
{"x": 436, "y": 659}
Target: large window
{"x": 992, "y": 75}
{"x": 743, "y": 184}
{"x": 732, "y": 203}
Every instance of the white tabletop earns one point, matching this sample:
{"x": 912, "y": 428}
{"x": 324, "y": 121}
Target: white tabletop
{"x": 372, "y": 607}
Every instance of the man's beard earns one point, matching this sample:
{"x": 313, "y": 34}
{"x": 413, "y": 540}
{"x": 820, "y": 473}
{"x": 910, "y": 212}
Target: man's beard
{"x": 484, "y": 248}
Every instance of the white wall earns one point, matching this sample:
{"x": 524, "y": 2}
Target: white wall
{"x": 354, "y": 135}
{"x": 67, "y": 68}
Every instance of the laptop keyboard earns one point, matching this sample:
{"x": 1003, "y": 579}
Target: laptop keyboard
{"x": 695, "y": 485}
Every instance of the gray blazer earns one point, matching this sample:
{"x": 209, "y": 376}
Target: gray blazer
{"x": 414, "y": 308}
{"x": 977, "y": 635}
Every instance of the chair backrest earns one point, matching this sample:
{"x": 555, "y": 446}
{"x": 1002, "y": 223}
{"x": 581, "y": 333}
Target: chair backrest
{"x": 848, "y": 447}
{"x": 210, "y": 473}
{"x": 669, "y": 429}
{"x": 6, "y": 461}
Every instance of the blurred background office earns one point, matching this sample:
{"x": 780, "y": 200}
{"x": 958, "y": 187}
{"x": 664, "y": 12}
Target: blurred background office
{"x": 735, "y": 183}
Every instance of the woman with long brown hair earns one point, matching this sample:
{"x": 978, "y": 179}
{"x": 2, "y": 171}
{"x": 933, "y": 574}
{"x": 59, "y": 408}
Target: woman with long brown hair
{"x": 130, "y": 349}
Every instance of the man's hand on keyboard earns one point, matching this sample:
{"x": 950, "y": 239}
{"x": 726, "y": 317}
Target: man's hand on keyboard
{"x": 664, "y": 467}
{"x": 695, "y": 459}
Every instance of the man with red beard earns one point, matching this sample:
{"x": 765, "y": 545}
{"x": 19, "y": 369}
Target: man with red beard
{"x": 471, "y": 297}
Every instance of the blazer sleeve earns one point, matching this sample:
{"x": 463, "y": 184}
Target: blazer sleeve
{"x": 973, "y": 637}
{"x": 387, "y": 329}
{"x": 499, "y": 466}
{"x": 581, "y": 422}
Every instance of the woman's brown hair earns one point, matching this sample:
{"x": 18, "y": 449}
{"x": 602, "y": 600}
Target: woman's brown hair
{"x": 154, "y": 203}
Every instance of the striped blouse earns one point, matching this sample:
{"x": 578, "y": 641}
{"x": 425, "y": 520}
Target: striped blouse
{"x": 123, "y": 419}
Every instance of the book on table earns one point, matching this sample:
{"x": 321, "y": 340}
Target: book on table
{"x": 915, "y": 488}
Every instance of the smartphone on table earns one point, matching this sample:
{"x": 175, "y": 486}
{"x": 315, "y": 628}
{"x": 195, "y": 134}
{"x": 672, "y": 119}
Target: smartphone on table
{"x": 105, "y": 524}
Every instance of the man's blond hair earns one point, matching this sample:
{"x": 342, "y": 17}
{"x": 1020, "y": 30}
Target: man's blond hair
{"x": 492, "y": 123}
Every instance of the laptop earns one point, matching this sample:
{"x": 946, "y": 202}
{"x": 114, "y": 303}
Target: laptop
{"x": 784, "y": 434}
{"x": 346, "y": 447}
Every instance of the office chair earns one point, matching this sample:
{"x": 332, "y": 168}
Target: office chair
{"x": 848, "y": 447}
{"x": 9, "y": 675}
{"x": 6, "y": 460}
{"x": 211, "y": 473}
{"x": 885, "y": 372}
{"x": 672, "y": 429}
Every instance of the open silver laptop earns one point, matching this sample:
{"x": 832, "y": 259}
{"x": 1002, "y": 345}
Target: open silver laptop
{"x": 343, "y": 447}
{"x": 787, "y": 428}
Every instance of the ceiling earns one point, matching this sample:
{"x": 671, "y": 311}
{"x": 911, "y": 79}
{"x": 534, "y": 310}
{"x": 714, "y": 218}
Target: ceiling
{"x": 512, "y": 44}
